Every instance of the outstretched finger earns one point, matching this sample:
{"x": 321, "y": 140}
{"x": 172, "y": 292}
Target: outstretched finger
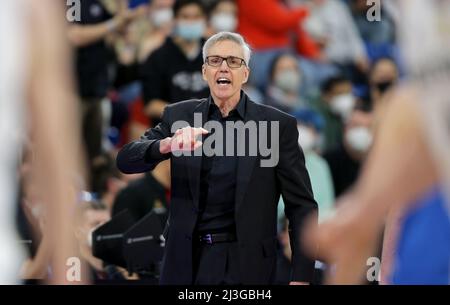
{"x": 199, "y": 131}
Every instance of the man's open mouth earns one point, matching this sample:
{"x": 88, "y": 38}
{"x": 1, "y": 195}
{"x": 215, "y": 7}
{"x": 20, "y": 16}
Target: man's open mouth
{"x": 223, "y": 81}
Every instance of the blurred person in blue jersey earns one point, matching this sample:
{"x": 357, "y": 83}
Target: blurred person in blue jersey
{"x": 408, "y": 168}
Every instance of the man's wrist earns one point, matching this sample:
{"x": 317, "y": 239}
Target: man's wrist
{"x": 164, "y": 146}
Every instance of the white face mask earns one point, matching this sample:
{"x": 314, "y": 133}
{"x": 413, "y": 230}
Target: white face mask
{"x": 288, "y": 81}
{"x": 306, "y": 138}
{"x": 359, "y": 138}
{"x": 161, "y": 17}
{"x": 343, "y": 105}
{"x": 224, "y": 22}
{"x": 190, "y": 30}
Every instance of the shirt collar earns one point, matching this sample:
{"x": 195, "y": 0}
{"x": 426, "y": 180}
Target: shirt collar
{"x": 240, "y": 107}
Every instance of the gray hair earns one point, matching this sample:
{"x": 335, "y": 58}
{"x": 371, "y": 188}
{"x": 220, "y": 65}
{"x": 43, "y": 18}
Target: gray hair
{"x": 223, "y": 36}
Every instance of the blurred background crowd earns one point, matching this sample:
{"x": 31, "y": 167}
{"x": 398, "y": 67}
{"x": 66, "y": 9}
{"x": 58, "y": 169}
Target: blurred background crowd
{"x": 322, "y": 61}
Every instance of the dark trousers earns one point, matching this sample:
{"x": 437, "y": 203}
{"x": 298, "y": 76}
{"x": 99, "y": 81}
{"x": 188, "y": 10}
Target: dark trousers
{"x": 216, "y": 264}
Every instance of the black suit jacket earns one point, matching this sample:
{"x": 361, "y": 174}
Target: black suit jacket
{"x": 257, "y": 194}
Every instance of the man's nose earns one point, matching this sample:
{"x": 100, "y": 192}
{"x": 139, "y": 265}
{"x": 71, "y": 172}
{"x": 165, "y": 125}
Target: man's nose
{"x": 224, "y": 66}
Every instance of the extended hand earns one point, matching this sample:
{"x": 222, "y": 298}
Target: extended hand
{"x": 184, "y": 139}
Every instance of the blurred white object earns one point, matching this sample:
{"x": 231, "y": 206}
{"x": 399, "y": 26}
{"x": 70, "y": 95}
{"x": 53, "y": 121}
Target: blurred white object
{"x": 343, "y": 105}
{"x": 161, "y": 17}
{"x": 224, "y": 22}
{"x": 306, "y": 138}
{"x": 359, "y": 138}
{"x": 12, "y": 88}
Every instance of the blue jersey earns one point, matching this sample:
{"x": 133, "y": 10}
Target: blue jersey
{"x": 423, "y": 252}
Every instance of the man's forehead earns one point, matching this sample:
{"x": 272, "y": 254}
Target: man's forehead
{"x": 226, "y": 48}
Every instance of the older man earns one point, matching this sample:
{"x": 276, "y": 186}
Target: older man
{"x": 222, "y": 226}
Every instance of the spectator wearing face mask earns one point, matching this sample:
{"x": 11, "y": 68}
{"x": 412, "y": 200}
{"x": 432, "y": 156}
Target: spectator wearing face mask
{"x": 152, "y": 34}
{"x": 223, "y": 17}
{"x": 161, "y": 21}
{"x": 335, "y": 105}
{"x": 127, "y": 46}
{"x": 345, "y": 161}
{"x": 172, "y": 73}
{"x": 383, "y": 76}
{"x": 285, "y": 82}
{"x": 310, "y": 125}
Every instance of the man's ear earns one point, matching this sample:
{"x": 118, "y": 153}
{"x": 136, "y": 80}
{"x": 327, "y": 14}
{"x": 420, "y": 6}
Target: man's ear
{"x": 246, "y": 75}
{"x": 204, "y": 73}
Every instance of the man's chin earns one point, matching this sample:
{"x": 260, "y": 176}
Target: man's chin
{"x": 224, "y": 94}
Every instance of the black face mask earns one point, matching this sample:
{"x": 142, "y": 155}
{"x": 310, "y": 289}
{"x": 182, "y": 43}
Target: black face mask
{"x": 384, "y": 86}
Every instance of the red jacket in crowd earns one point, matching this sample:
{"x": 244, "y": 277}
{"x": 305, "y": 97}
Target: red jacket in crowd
{"x": 267, "y": 24}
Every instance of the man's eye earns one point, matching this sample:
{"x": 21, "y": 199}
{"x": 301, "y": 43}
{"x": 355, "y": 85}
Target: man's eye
{"x": 235, "y": 61}
{"x": 215, "y": 60}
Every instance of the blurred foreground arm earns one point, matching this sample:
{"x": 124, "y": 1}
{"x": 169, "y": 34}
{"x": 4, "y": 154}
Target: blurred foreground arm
{"x": 55, "y": 131}
{"x": 398, "y": 170}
